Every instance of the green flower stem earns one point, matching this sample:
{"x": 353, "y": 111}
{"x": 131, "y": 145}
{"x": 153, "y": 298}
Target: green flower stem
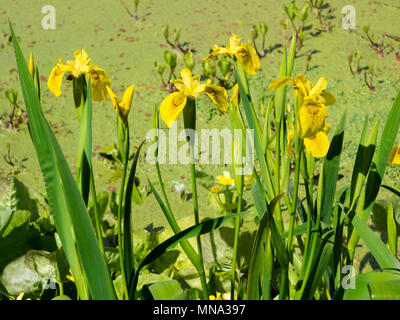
{"x": 235, "y": 244}
{"x": 80, "y": 94}
{"x": 285, "y": 275}
{"x": 277, "y": 173}
{"x": 187, "y": 248}
{"x": 125, "y": 154}
{"x": 298, "y": 149}
{"x": 283, "y": 290}
{"x": 254, "y": 124}
{"x": 309, "y": 196}
{"x": 284, "y": 284}
{"x": 314, "y": 244}
{"x": 196, "y": 213}
{"x": 190, "y": 252}
{"x": 61, "y": 288}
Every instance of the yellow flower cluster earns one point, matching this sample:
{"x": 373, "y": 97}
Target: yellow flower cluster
{"x": 100, "y": 81}
{"x": 244, "y": 53}
{"x": 81, "y": 65}
{"x": 312, "y": 127}
{"x": 190, "y": 87}
{"x": 225, "y": 179}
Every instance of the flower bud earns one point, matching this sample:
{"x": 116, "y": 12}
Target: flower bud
{"x": 254, "y": 33}
{"x": 208, "y": 69}
{"x": 165, "y": 31}
{"x": 12, "y": 96}
{"x": 263, "y": 28}
{"x": 189, "y": 60}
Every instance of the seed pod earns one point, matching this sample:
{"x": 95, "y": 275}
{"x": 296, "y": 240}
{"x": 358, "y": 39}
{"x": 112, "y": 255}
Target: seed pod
{"x": 263, "y": 28}
{"x": 170, "y": 59}
{"x": 177, "y": 33}
{"x": 165, "y": 31}
{"x": 254, "y": 33}
{"x": 160, "y": 68}
{"x": 208, "y": 69}
{"x": 189, "y": 60}
{"x": 12, "y": 96}
{"x": 225, "y": 66}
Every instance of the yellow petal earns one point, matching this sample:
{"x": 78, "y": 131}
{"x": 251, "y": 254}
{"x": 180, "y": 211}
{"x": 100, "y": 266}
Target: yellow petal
{"x": 99, "y": 82}
{"x": 31, "y": 64}
{"x": 311, "y": 119}
{"x": 69, "y": 276}
{"x": 248, "y": 58}
{"x": 127, "y": 100}
{"x": 235, "y": 95}
{"x": 218, "y": 95}
{"x": 116, "y": 102}
{"x": 300, "y": 84}
{"x": 394, "y": 157}
{"x": 225, "y": 179}
{"x": 187, "y": 78}
{"x": 328, "y": 98}
{"x": 318, "y": 88}
{"x": 178, "y": 83}
{"x": 279, "y": 83}
{"x": 327, "y": 127}
{"x": 215, "y": 189}
{"x": 301, "y": 77}
{"x": 317, "y": 146}
{"x": 55, "y": 78}
{"x": 197, "y": 88}
{"x": 217, "y": 50}
{"x": 20, "y": 296}
{"x": 82, "y": 63}
{"x": 172, "y": 106}
{"x": 234, "y": 42}
{"x": 122, "y": 107}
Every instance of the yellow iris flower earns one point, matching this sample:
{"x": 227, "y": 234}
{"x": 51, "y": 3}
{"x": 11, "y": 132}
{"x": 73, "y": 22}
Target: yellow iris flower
{"x": 122, "y": 107}
{"x": 81, "y": 65}
{"x": 394, "y": 157}
{"x": 225, "y": 179}
{"x": 305, "y": 89}
{"x": 245, "y": 54}
{"x": 312, "y": 114}
{"x": 190, "y": 87}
